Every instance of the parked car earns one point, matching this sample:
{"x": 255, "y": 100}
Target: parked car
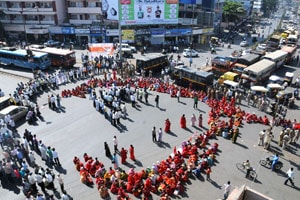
{"x": 190, "y": 53}
{"x": 16, "y": 112}
{"x": 244, "y": 43}
{"x": 52, "y": 43}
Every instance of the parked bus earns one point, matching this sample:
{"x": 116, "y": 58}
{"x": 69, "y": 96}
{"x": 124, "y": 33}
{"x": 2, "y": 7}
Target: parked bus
{"x": 196, "y": 79}
{"x": 245, "y": 61}
{"x": 58, "y": 57}
{"x": 154, "y": 62}
{"x": 221, "y": 64}
{"x": 258, "y": 72}
{"x": 20, "y": 58}
{"x": 291, "y": 50}
{"x": 278, "y": 56}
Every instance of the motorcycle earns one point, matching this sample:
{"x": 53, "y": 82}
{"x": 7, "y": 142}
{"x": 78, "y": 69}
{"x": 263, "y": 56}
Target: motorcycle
{"x": 268, "y": 163}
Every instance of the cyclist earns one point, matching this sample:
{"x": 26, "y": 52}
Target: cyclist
{"x": 274, "y": 161}
{"x": 247, "y": 167}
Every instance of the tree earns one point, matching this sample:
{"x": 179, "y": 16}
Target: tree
{"x": 269, "y": 6}
{"x": 233, "y": 11}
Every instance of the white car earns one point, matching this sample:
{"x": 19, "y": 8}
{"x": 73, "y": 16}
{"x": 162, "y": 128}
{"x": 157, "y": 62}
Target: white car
{"x": 262, "y": 47}
{"x": 190, "y": 53}
{"x": 244, "y": 43}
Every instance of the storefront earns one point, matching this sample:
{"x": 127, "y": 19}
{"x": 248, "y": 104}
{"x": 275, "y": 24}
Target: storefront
{"x": 37, "y": 35}
{"x": 97, "y": 34}
{"x": 174, "y": 36}
{"x": 112, "y": 35}
{"x": 55, "y": 33}
{"x": 82, "y": 35}
{"x": 143, "y": 37}
{"x": 157, "y": 35}
{"x": 68, "y": 34}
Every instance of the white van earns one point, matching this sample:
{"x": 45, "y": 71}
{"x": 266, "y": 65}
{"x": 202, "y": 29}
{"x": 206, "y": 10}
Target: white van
{"x": 232, "y": 85}
{"x": 127, "y": 46}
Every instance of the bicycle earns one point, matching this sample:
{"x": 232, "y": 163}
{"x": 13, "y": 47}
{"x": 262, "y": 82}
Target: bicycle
{"x": 242, "y": 168}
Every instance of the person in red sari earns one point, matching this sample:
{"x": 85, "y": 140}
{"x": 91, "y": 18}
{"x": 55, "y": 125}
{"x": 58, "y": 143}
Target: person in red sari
{"x": 114, "y": 75}
{"x": 131, "y": 152}
{"x": 123, "y": 155}
{"x": 183, "y": 121}
{"x": 167, "y": 126}
{"x": 200, "y": 120}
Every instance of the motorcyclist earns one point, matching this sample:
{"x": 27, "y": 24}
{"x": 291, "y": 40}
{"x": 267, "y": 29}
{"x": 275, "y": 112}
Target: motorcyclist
{"x": 247, "y": 167}
{"x": 274, "y": 161}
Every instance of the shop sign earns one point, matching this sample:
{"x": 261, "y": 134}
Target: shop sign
{"x": 143, "y": 32}
{"x": 68, "y": 30}
{"x": 82, "y": 31}
{"x": 128, "y": 36}
{"x": 178, "y": 32}
{"x": 55, "y": 30}
{"x": 158, "y": 31}
{"x": 112, "y": 32}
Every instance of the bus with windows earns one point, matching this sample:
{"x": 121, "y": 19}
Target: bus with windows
{"x": 222, "y": 64}
{"x": 58, "y": 57}
{"x": 245, "y": 61}
{"x": 193, "y": 78}
{"x": 258, "y": 72}
{"x": 154, "y": 62}
{"x": 291, "y": 50}
{"x": 278, "y": 56}
{"x": 20, "y": 58}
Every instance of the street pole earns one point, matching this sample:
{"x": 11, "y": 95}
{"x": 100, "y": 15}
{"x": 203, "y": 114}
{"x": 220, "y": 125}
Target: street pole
{"x": 24, "y": 26}
{"x": 120, "y": 39}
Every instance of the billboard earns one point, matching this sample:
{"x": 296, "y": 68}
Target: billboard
{"x": 110, "y": 9}
{"x": 128, "y": 36}
{"x": 137, "y": 12}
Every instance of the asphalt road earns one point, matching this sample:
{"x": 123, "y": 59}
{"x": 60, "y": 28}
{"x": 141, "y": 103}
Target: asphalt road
{"x": 78, "y": 128}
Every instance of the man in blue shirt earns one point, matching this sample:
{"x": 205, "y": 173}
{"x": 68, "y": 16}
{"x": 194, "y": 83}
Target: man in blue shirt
{"x": 274, "y": 161}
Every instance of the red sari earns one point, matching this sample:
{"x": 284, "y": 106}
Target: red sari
{"x": 183, "y": 122}
{"x": 131, "y": 152}
{"x": 123, "y": 154}
{"x": 167, "y": 126}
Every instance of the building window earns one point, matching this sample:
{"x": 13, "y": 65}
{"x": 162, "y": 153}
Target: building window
{"x": 72, "y": 4}
{"x": 48, "y": 18}
{"x": 72, "y": 16}
{"x": 45, "y": 5}
{"x": 91, "y": 4}
{"x": 15, "y": 5}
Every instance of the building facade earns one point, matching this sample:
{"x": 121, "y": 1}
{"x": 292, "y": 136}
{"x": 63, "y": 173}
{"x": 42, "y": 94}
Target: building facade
{"x": 85, "y": 21}
{"x": 31, "y": 17}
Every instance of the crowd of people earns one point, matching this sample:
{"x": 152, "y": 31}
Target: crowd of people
{"x": 167, "y": 177}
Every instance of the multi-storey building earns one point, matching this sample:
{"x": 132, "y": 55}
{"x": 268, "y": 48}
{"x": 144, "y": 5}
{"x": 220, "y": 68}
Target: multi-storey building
{"x": 31, "y": 17}
{"x": 84, "y": 21}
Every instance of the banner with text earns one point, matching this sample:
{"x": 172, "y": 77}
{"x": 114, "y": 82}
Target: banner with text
{"x": 135, "y": 12}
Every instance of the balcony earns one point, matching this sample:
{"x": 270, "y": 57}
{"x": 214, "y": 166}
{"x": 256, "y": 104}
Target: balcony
{"x": 47, "y": 22}
{"x": 79, "y": 22}
{"x": 83, "y": 10}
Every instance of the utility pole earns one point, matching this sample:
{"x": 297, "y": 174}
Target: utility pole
{"x": 120, "y": 39}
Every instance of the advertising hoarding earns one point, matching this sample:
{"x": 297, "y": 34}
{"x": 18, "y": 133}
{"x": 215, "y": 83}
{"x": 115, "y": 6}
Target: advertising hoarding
{"x": 137, "y": 12}
{"x": 128, "y": 36}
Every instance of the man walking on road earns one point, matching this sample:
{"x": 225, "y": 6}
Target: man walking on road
{"x": 290, "y": 174}
{"x": 227, "y": 188}
{"x": 154, "y": 134}
{"x": 115, "y": 142}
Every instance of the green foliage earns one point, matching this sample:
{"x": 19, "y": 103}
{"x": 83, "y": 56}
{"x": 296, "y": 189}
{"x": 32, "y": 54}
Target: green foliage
{"x": 269, "y": 6}
{"x": 233, "y": 10}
